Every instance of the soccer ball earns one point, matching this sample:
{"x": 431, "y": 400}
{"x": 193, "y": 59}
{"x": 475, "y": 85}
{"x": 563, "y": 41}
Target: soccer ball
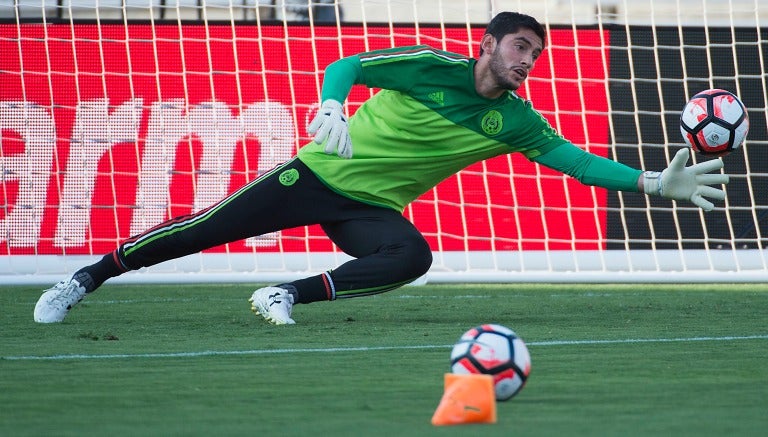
{"x": 497, "y": 351}
{"x": 714, "y": 122}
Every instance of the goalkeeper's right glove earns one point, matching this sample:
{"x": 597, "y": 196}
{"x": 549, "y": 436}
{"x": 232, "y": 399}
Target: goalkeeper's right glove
{"x": 679, "y": 182}
{"x": 330, "y": 125}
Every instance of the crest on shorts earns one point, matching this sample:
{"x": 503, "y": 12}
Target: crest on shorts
{"x": 289, "y": 177}
{"x": 492, "y": 122}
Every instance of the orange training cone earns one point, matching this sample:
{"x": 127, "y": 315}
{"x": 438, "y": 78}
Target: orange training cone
{"x": 466, "y": 399}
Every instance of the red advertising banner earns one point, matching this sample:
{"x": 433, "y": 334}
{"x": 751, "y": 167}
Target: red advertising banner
{"x": 108, "y": 129}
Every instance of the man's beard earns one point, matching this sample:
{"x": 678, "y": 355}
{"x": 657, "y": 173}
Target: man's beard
{"x": 500, "y": 72}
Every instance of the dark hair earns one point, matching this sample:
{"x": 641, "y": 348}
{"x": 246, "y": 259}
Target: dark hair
{"x": 505, "y": 23}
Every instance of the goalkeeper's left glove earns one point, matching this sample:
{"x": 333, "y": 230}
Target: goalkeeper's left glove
{"x": 679, "y": 182}
{"x": 330, "y": 125}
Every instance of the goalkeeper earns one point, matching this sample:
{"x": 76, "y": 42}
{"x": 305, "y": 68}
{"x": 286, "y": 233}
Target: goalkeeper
{"x": 437, "y": 113}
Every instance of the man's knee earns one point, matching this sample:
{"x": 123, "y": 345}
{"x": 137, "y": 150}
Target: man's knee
{"x": 415, "y": 256}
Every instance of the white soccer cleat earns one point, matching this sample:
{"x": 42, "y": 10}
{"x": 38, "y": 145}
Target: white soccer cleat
{"x": 56, "y": 302}
{"x": 274, "y": 304}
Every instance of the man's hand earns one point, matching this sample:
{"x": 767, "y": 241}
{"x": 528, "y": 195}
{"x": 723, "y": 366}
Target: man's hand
{"x": 330, "y": 125}
{"x": 679, "y": 182}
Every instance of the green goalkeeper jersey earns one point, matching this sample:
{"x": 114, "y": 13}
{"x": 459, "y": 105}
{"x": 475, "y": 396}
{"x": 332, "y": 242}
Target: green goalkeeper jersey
{"x": 426, "y": 124}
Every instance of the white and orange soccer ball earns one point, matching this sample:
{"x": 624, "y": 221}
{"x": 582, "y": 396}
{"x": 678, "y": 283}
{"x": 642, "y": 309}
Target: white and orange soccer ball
{"x": 714, "y": 122}
{"x": 497, "y": 351}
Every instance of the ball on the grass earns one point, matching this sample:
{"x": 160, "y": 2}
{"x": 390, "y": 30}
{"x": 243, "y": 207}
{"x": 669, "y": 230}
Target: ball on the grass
{"x": 497, "y": 351}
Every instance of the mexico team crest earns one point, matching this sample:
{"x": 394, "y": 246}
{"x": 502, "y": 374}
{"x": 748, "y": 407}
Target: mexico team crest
{"x": 492, "y": 122}
{"x": 289, "y": 177}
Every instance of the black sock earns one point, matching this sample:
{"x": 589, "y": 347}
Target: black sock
{"x": 308, "y": 290}
{"x": 85, "y": 279}
{"x": 291, "y": 290}
{"x": 92, "y": 276}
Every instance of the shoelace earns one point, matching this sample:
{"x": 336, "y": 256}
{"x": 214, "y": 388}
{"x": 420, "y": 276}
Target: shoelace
{"x": 64, "y": 298}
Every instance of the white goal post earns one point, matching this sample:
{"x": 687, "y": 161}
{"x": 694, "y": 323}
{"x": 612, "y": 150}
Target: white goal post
{"x": 118, "y": 114}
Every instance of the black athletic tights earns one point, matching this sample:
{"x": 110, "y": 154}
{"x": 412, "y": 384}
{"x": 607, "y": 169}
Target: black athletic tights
{"x": 389, "y": 251}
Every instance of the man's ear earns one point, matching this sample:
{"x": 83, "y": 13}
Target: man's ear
{"x": 488, "y": 43}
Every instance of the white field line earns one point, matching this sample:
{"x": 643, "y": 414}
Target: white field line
{"x": 402, "y": 296}
{"x": 364, "y": 349}
{"x": 245, "y": 299}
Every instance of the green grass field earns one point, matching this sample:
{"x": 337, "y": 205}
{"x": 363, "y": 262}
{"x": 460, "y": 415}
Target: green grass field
{"x": 608, "y": 360}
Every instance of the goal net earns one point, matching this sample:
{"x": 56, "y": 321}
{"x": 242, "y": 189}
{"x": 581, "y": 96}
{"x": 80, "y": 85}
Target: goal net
{"x": 117, "y": 116}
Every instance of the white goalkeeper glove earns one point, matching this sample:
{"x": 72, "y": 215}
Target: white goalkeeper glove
{"x": 679, "y": 182}
{"x": 330, "y": 125}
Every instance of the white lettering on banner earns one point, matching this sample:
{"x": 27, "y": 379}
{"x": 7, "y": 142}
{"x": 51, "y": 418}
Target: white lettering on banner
{"x": 213, "y": 123}
{"x": 167, "y": 126}
{"x": 273, "y": 125}
{"x": 96, "y": 130}
{"x": 94, "y": 133}
{"x": 220, "y": 133}
{"x": 21, "y": 226}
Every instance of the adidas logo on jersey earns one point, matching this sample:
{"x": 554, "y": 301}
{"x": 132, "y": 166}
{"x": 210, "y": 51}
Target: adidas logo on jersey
{"x": 437, "y": 97}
